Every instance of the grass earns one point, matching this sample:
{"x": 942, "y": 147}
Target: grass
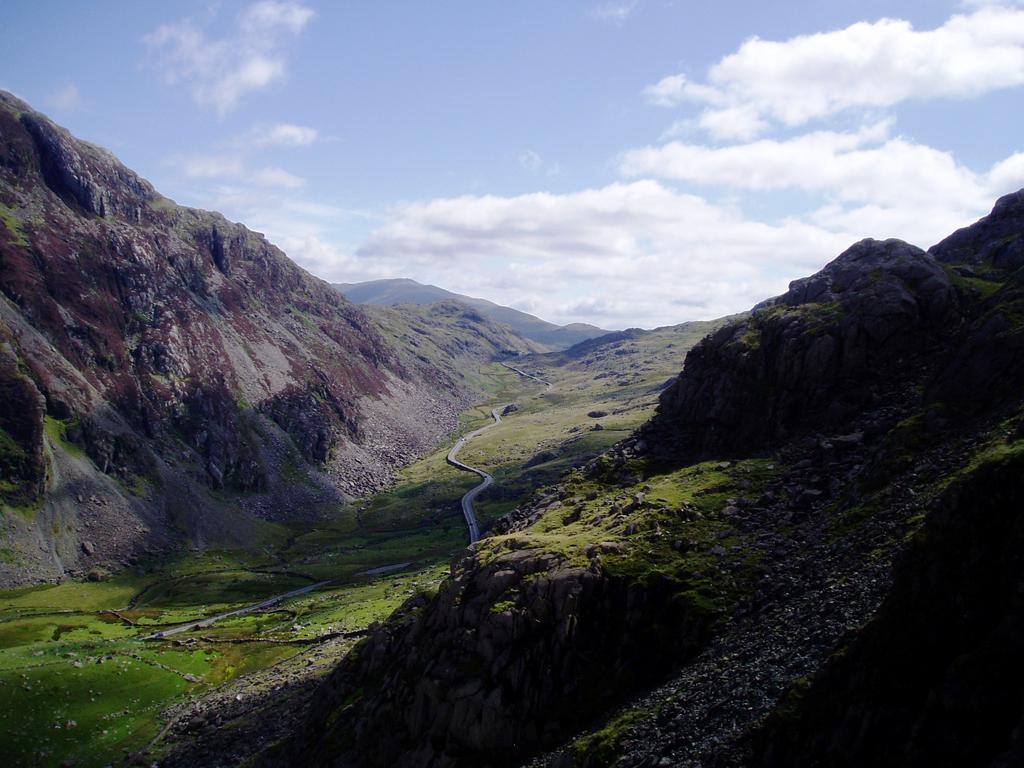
{"x": 57, "y": 431}
{"x": 851, "y": 519}
{"x": 81, "y": 595}
{"x": 815, "y": 316}
{"x": 63, "y": 659}
{"x": 14, "y": 226}
{"x": 665, "y": 526}
{"x": 57, "y": 712}
{"x": 622, "y": 378}
{"x": 604, "y": 745}
{"x": 977, "y": 288}
{"x": 1004, "y": 446}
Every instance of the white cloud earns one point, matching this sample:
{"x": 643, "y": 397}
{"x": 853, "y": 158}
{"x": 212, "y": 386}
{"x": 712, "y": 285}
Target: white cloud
{"x": 869, "y": 181}
{"x": 630, "y": 253}
{"x": 531, "y": 161}
{"x": 739, "y": 121}
{"x": 670, "y": 91}
{"x": 673, "y": 90}
{"x": 1009, "y": 173}
{"x": 234, "y": 168}
{"x": 275, "y": 177}
{"x": 616, "y": 11}
{"x": 865, "y": 65}
{"x": 66, "y": 98}
{"x": 535, "y": 164}
{"x": 284, "y": 135}
{"x": 325, "y": 259}
{"x": 269, "y": 16}
{"x": 210, "y": 166}
{"x": 221, "y": 70}
{"x": 618, "y": 255}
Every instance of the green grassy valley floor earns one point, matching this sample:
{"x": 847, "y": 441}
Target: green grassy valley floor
{"x": 78, "y": 685}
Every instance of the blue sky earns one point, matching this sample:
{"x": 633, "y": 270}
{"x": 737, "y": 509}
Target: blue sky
{"x": 621, "y": 163}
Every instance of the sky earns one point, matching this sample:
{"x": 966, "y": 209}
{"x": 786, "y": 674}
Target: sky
{"x": 619, "y": 162}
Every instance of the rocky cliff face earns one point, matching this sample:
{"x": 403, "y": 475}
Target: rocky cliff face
{"x": 812, "y": 358}
{"x": 935, "y": 677}
{"x": 503, "y": 660}
{"x": 734, "y": 543}
{"x": 151, "y": 354}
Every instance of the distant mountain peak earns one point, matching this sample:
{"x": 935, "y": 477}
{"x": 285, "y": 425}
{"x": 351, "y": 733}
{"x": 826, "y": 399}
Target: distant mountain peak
{"x": 403, "y": 290}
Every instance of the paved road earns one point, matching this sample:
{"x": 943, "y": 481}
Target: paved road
{"x": 467, "y": 512}
{"x": 237, "y": 612}
{"x": 467, "y": 500}
{"x": 384, "y": 569}
{"x": 267, "y": 603}
{"x": 527, "y": 375}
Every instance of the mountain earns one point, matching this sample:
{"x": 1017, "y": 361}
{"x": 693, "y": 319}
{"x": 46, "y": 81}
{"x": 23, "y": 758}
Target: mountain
{"x": 405, "y": 291}
{"x": 447, "y": 335}
{"x": 169, "y": 377}
{"x": 810, "y": 555}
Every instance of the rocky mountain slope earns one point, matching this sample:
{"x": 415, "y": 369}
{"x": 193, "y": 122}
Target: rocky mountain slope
{"x": 719, "y": 588}
{"x": 405, "y": 291}
{"x": 168, "y": 376}
{"x": 936, "y": 677}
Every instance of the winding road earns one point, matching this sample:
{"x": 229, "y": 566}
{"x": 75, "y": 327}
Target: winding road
{"x": 545, "y": 382}
{"x": 467, "y": 500}
{"x": 237, "y": 612}
{"x": 467, "y": 512}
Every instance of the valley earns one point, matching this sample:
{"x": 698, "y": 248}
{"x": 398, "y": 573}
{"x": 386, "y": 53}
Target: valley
{"x": 245, "y": 521}
{"x": 93, "y": 664}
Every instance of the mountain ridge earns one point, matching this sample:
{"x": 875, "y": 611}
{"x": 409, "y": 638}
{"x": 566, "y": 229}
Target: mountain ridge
{"x": 157, "y": 357}
{"x": 404, "y": 290}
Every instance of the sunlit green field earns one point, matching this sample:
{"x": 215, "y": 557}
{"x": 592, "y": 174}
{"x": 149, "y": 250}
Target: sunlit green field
{"x": 553, "y": 429}
{"x": 77, "y": 684}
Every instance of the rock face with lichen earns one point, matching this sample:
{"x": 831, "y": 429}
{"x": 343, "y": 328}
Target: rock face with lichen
{"x": 170, "y": 353}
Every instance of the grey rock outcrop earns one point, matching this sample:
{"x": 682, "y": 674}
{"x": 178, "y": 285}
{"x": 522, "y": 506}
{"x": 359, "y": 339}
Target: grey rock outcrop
{"x": 504, "y": 661}
{"x": 994, "y": 241}
{"x": 811, "y": 357}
